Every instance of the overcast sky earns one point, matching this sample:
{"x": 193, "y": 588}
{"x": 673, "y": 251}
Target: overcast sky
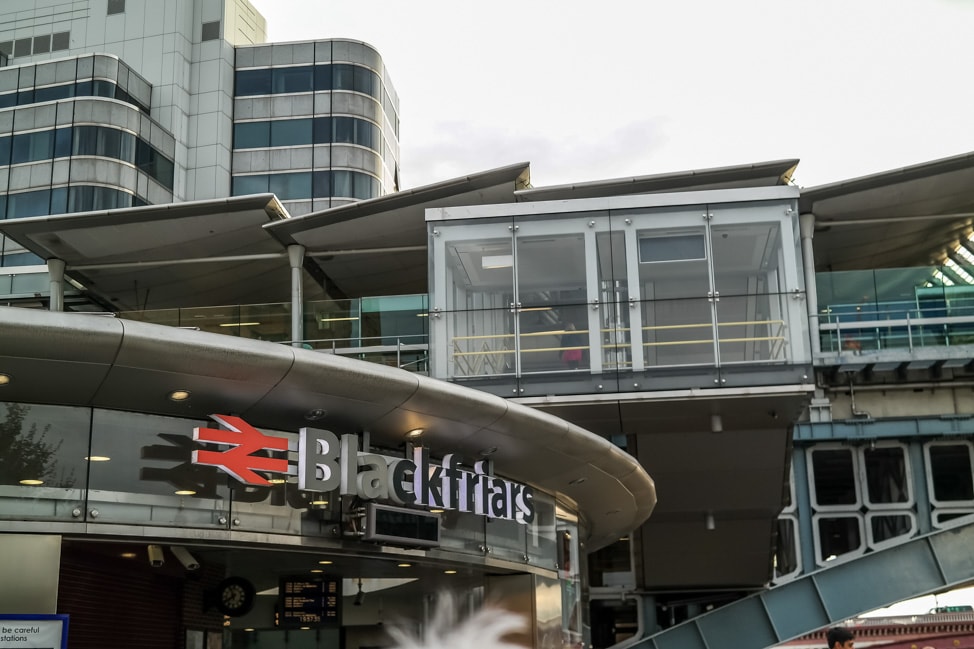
{"x": 594, "y": 89}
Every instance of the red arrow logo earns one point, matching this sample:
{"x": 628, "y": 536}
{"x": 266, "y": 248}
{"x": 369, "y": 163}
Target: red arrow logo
{"x": 240, "y": 461}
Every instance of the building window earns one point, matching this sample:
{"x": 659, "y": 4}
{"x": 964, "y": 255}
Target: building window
{"x": 7, "y": 48}
{"x": 22, "y": 47}
{"x": 60, "y": 41}
{"x": 211, "y": 31}
{"x": 42, "y": 44}
{"x": 116, "y": 7}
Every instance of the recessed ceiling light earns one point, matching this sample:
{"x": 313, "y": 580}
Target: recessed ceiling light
{"x": 319, "y": 503}
{"x": 405, "y": 565}
{"x": 5, "y": 379}
{"x": 576, "y": 481}
{"x": 435, "y": 511}
{"x": 179, "y": 395}
{"x": 31, "y": 483}
{"x": 315, "y": 414}
{"x": 185, "y": 492}
{"x": 277, "y": 480}
{"x": 449, "y": 572}
{"x": 414, "y": 433}
{"x": 326, "y": 562}
{"x": 248, "y": 629}
{"x": 128, "y": 555}
{"x": 317, "y": 570}
{"x": 97, "y": 458}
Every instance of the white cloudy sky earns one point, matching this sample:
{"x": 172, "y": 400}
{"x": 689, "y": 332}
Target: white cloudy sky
{"x": 593, "y": 89}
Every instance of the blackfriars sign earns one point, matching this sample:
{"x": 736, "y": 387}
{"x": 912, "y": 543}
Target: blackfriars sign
{"x": 326, "y": 463}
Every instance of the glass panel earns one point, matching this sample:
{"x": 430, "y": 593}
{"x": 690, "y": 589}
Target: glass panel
{"x": 752, "y": 328}
{"x": 342, "y": 76}
{"x": 399, "y": 319}
{"x": 746, "y": 259}
{"x": 950, "y": 472}
{"x": 333, "y": 324}
{"x": 342, "y": 184}
{"x": 677, "y": 332}
{"x": 253, "y": 82}
{"x": 665, "y": 280}
{"x": 265, "y": 322}
{"x": 292, "y": 186}
{"x": 890, "y": 526}
{"x": 838, "y": 535}
{"x": 297, "y": 79}
{"x": 26, "y": 204}
{"x": 462, "y": 531}
{"x": 4, "y": 150}
{"x": 215, "y": 319}
{"x": 786, "y": 557}
{"x": 290, "y": 132}
{"x": 255, "y": 184}
{"x": 251, "y": 135}
{"x": 552, "y": 313}
{"x": 482, "y": 342}
{"x": 612, "y": 566}
{"x": 322, "y": 77}
{"x": 541, "y": 534}
{"x": 150, "y": 478}
{"x": 43, "y": 465}
{"x": 887, "y": 475}
{"x": 507, "y": 539}
{"x": 833, "y": 477}
{"x": 29, "y": 147}
{"x": 613, "y": 286}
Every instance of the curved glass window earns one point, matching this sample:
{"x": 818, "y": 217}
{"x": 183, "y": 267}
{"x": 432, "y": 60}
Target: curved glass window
{"x": 78, "y": 198}
{"x": 307, "y": 78}
{"x": 88, "y": 140}
{"x": 297, "y": 132}
{"x": 95, "y": 88}
{"x": 305, "y": 185}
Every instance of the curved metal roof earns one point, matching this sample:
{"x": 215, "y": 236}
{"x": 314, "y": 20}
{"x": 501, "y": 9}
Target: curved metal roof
{"x": 98, "y": 361}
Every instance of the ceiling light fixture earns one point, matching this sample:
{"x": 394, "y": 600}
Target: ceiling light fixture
{"x": 576, "y": 482}
{"x": 31, "y": 482}
{"x": 5, "y": 379}
{"x": 716, "y": 423}
{"x": 179, "y": 395}
{"x": 360, "y": 595}
{"x": 404, "y": 565}
{"x": 709, "y": 522}
{"x": 185, "y": 492}
{"x": 326, "y": 562}
{"x": 488, "y": 451}
{"x": 97, "y": 458}
{"x": 239, "y": 324}
{"x": 414, "y": 433}
{"x": 449, "y": 572}
{"x": 316, "y": 414}
{"x": 337, "y": 319}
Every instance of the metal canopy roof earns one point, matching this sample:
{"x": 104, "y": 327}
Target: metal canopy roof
{"x": 378, "y": 246}
{"x": 898, "y": 218}
{"x": 175, "y": 255}
{"x": 96, "y": 361}
{"x": 762, "y": 174}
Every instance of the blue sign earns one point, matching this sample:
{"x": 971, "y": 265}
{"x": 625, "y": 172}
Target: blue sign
{"x": 33, "y": 631}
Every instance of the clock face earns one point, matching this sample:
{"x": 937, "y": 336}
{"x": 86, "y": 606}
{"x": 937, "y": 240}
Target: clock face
{"x": 235, "y": 596}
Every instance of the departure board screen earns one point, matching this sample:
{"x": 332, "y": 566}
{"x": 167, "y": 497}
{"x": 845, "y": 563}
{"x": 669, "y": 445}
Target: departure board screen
{"x": 310, "y": 601}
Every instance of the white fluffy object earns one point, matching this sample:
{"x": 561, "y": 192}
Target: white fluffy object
{"x": 484, "y": 629}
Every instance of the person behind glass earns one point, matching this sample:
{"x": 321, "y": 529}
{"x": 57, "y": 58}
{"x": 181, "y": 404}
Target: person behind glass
{"x": 572, "y": 342}
{"x": 840, "y": 637}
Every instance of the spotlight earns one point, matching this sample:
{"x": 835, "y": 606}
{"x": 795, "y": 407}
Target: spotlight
{"x": 189, "y": 561}
{"x": 360, "y": 595}
{"x": 156, "y": 558}
{"x": 716, "y": 423}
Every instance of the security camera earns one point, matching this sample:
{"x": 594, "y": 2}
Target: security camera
{"x": 156, "y": 558}
{"x": 189, "y": 561}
